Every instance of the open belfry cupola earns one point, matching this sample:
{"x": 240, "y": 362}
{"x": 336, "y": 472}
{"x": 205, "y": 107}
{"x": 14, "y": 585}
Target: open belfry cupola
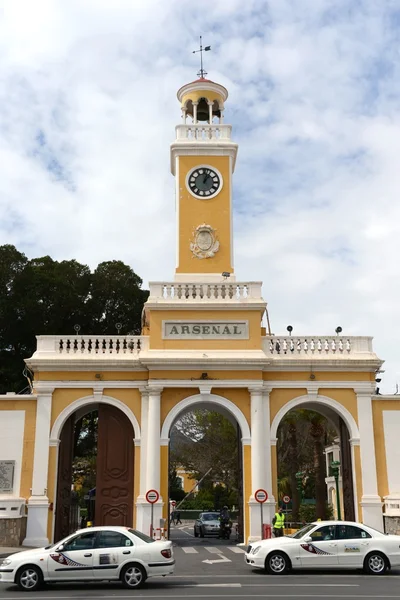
{"x": 202, "y": 101}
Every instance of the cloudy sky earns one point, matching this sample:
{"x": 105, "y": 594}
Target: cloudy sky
{"x": 88, "y": 109}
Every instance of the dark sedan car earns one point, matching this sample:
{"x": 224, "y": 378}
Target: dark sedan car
{"x": 207, "y": 524}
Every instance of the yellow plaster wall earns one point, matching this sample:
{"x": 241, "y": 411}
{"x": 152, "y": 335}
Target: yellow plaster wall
{"x": 214, "y": 374}
{"x": 215, "y": 212}
{"x": 195, "y": 96}
{"x": 319, "y": 376}
{"x": 29, "y": 407}
{"x": 246, "y": 488}
{"x": 378, "y": 406}
{"x": 346, "y": 397}
{"x": 52, "y": 489}
{"x": 358, "y": 471}
{"x": 164, "y": 456}
{"x": 158, "y": 316}
{"x": 280, "y": 396}
{"x": 91, "y": 375}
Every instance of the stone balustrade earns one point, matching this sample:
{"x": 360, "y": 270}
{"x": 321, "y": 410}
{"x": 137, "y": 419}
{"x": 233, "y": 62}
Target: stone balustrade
{"x": 274, "y": 347}
{"x": 294, "y": 346}
{"x": 192, "y": 133}
{"x": 205, "y": 292}
{"x": 91, "y": 344}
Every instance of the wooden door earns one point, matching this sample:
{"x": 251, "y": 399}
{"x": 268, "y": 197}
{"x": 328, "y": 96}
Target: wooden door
{"x": 115, "y": 469}
{"x": 64, "y": 481}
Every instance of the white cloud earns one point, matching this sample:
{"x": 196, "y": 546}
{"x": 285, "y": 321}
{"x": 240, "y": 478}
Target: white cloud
{"x": 87, "y": 112}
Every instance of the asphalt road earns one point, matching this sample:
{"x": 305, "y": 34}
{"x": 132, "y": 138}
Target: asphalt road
{"x": 214, "y": 569}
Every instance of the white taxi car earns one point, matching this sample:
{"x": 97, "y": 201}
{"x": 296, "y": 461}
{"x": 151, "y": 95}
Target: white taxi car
{"x": 327, "y": 544}
{"x": 95, "y": 554}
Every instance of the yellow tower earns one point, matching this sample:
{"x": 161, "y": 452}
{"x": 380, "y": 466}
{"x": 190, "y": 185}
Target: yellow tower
{"x": 203, "y": 160}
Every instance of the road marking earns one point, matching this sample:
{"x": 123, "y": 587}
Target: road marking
{"x": 221, "y": 559}
{"x": 213, "y": 585}
{"x": 187, "y": 533}
{"x": 236, "y": 550}
{"x": 213, "y": 549}
{"x": 190, "y": 550}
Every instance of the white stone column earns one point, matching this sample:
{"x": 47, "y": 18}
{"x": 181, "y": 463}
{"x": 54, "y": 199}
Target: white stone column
{"x": 195, "y": 112}
{"x": 259, "y": 478}
{"x": 210, "y": 113}
{"x": 150, "y": 455}
{"x": 38, "y": 503}
{"x": 371, "y": 503}
{"x": 141, "y": 503}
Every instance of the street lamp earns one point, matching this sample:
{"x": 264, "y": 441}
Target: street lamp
{"x": 335, "y": 465}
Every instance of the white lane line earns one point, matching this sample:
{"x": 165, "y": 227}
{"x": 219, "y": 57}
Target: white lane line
{"x": 235, "y": 549}
{"x": 213, "y": 585}
{"x": 189, "y": 550}
{"x": 187, "y": 533}
{"x": 214, "y": 549}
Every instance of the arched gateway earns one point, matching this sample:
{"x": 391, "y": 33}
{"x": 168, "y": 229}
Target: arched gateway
{"x": 203, "y": 343}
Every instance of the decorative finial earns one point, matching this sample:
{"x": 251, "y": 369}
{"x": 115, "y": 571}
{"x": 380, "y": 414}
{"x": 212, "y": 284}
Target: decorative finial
{"x": 202, "y": 72}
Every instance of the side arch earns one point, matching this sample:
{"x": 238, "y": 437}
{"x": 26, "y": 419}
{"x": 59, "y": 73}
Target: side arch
{"x": 323, "y": 401}
{"x": 81, "y": 402}
{"x": 185, "y": 404}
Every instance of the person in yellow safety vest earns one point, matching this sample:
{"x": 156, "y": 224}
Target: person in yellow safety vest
{"x": 278, "y": 523}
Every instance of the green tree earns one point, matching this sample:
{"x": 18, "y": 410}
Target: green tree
{"x": 44, "y": 296}
{"x": 205, "y": 439}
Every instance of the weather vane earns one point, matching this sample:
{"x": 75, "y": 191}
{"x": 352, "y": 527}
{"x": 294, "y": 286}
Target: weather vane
{"x": 202, "y": 72}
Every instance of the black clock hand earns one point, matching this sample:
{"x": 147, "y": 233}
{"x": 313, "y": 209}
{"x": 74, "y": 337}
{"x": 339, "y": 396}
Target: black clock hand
{"x": 206, "y": 175}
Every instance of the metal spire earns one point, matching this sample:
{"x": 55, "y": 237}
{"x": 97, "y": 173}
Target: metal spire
{"x": 202, "y": 72}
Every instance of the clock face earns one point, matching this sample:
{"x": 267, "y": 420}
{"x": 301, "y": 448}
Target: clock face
{"x": 204, "y": 182}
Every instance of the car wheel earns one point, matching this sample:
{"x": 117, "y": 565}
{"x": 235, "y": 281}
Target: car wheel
{"x": 375, "y": 563}
{"x": 195, "y": 533}
{"x": 277, "y": 563}
{"x": 201, "y": 532}
{"x": 133, "y": 576}
{"x": 29, "y": 578}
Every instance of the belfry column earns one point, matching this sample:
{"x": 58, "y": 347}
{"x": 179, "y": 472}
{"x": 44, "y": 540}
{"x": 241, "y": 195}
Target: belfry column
{"x": 371, "y": 503}
{"x": 259, "y": 478}
{"x": 38, "y": 503}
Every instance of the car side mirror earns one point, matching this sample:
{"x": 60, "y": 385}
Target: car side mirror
{"x": 308, "y": 538}
{"x": 60, "y": 548}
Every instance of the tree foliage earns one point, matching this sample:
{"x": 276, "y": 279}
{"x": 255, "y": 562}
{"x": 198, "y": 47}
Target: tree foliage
{"x": 205, "y": 439}
{"x": 43, "y": 296}
{"x": 302, "y": 436}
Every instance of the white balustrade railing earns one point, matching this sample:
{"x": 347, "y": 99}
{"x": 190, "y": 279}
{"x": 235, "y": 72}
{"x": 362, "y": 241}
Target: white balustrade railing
{"x": 203, "y": 132}
{"x": 292, "y": 346}
{"x": 91, "y": 344}
{"x": 205, "y": 292}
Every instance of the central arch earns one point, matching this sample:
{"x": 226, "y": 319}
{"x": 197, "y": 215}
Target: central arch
{"x": 233, "y": 413}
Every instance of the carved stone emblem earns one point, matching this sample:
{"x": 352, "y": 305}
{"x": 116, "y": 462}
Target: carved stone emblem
{"x": 205, "y": 243}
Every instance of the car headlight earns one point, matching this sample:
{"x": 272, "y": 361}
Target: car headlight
{"x": 255, "y": 550}
{"x": 6, "y": 561}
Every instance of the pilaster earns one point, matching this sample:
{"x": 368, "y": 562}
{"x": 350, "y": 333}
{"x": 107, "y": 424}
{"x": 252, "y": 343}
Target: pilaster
{"x": 371, "y": 503}
{"x": 38, "y": 503}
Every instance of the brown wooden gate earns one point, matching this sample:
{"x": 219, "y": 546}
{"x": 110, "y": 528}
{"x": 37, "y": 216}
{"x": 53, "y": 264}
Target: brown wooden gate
{"x": 64, "y": 480}
{"x": 114, "y": 478}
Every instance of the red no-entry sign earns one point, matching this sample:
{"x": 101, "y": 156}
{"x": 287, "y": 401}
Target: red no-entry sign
{"x": 152, "y": 496}
{"x": 173, "y": 503}
{"x": 261, "y": 496}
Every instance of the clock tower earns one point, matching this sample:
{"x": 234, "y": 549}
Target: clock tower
{"x": 202, "y": 160}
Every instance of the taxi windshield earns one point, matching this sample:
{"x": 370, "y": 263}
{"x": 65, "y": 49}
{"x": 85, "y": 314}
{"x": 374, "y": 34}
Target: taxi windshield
{"x": 301, "y": 532}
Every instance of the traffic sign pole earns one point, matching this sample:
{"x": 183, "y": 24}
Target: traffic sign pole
{"x": 261, "y": 496}
{"x": 152, "y": 496}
